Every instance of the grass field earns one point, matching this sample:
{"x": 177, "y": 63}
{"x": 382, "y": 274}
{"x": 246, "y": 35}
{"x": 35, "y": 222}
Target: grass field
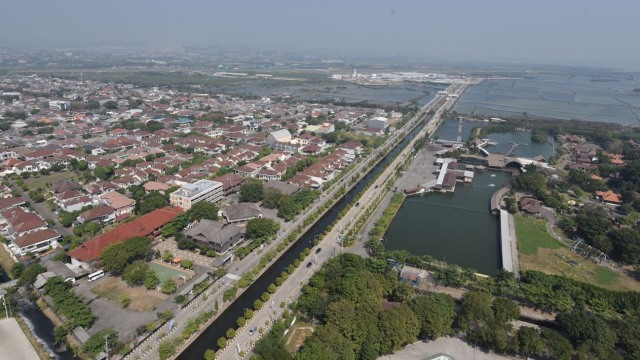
{"x": 34, "y": 183}
{"x": 6, "y": 261}
{"x": 165, "y": 272}
{"x": 142, "y": 300}
{"x": 532, "y": 234}
{"x": 538, "y": 250}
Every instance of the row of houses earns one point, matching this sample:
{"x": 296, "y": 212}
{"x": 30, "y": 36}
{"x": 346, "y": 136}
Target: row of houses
{"x": 25, "y": 230}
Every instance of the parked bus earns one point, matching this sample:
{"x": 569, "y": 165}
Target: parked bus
{"x": 96, "y": 275}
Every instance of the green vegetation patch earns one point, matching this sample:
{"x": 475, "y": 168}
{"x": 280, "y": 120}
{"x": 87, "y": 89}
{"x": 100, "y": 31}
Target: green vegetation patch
{"x": 606, "y": 276}
{"x": 532, "y": 234}
{"x": 41, "y": 182}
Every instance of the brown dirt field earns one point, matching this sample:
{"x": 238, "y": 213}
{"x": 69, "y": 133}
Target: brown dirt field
{"x": 576, "y": 267}
{"x": 142, "y": 300}
{"x": 296, "y": 338}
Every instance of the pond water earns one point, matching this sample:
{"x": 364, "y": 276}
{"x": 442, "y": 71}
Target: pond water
{"x": 556, "y": 96}
{"x": 526, "y": 148}
{"x": 454, "y": 227}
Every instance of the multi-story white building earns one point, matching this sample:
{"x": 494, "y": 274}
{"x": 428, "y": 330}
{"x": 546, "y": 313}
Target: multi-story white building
{"x": 202, "y": 190}
{"x": 59, "y": 105}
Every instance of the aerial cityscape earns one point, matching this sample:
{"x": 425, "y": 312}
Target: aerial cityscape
{"x": 273, "y": 181}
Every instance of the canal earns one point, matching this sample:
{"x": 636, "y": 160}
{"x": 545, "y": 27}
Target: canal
{"x": 226, "y": 320}
{"x": 40, "y": 325}
{"x": 454, "y": 227}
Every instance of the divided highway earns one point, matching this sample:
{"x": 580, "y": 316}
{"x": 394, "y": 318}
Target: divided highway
{"x": 328, "y": 247}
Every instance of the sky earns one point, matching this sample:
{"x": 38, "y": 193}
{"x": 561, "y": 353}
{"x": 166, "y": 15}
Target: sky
{"x": 578, "y": 32}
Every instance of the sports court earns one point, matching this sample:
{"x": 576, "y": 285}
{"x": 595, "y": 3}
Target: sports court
{"x": 164, "y": 271}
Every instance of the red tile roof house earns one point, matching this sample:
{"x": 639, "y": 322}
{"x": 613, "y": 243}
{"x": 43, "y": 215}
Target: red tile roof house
{"x": 102, "y": 213}
{"x": 88, "y": 253}
{"x": 609, "y": 197}
{"x": 231, "y": 183}
{"x": 122, "y": 205}
{"x": 25, "y": 223}
{"x": 36, "y": 242}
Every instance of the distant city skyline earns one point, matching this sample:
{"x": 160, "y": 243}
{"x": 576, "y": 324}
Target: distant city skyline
{"x": 572, "y": 32}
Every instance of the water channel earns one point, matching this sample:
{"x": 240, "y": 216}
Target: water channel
{"x": 226, "y": 320}
{"x": 454, "y": 227}
{"x": 39, "y": 324}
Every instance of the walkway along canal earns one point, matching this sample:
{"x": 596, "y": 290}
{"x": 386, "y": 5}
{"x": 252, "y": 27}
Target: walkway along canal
{"x": 207, "y": 339}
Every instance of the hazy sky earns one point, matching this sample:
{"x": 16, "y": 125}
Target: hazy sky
{"x": 558, "y": 31}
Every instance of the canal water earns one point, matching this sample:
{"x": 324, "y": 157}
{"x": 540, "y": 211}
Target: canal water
{"x": 39, "y": 324}
{"x": 226, "y": 320}
{"x": 454, "y": 227}
{"x": 42, "y": 327}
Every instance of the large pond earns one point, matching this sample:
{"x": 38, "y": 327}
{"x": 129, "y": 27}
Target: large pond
{"x": 343, "y": 91}
{"x": 454, "y": 227}
{"x": 526, "y": 148}
{"x": 556, "y": 96}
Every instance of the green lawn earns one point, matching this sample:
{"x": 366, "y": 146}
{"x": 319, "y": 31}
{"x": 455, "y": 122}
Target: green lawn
{"x": 605, "y": 276}
{"x": 36, "y": 182}
{"x": 165, "y": 272}
{"x": 532, "y": 234}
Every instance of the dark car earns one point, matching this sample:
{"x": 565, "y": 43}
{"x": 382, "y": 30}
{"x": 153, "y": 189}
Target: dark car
{"x": 358, "y": 203}
{"x": 309, "y": 264}
{"x": 318, "y": 250}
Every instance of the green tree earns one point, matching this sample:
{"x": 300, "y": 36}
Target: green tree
{"x": 167, "y": 349}
{"x": 135, "y": 273}
{"x": 398, "y": 326}
{"x": 203, "y": 210}
{"x": 261, "y": 229}
{"x": 251, "y": 190}
{"x": 96, "y": 343}
{"x": 271, "y": 198}
{"x": 153, "y": 201}
{"x": 585, "y": 327}
{"x": 436, "y": 313}
{"x": 152, "y": 280}
{"x": 104, "y": 172}
{"x": 168, "y": 286}
{"x": 125, "y": 300}
{"x": 626, "y": 243}
{"x": 556, "y": 345}
{"x": 117, "y": 256}
{"x": 209, "y": 354}
{"x": 287, "y": 208}
{"x": 29, "y": 273}
{"x": 17, "y": 269}
{"x": 111, "y": 105}
{"x": 528, "y": 342}
{"x": 186, "y": 263}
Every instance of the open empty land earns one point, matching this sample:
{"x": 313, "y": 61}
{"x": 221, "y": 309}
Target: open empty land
{"x": 142, "y": 300}
{"x": 540, "y": 251}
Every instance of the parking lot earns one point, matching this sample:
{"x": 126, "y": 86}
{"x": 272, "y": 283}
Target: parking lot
{"x": 451, "y": 347}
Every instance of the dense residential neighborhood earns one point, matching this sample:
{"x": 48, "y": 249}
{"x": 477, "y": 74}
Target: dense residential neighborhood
{"x": 105, "y": 180}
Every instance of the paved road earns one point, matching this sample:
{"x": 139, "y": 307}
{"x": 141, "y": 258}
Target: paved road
{"x": 148, "y": 350}
{"x": 290, "y": 289}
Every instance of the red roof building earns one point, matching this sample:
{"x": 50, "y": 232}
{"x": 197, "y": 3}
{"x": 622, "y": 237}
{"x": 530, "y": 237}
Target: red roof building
{"x": 145, "y": 225}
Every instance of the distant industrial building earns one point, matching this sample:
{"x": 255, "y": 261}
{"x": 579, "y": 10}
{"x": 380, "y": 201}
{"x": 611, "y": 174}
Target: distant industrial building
{"x": 202, "y": 190}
